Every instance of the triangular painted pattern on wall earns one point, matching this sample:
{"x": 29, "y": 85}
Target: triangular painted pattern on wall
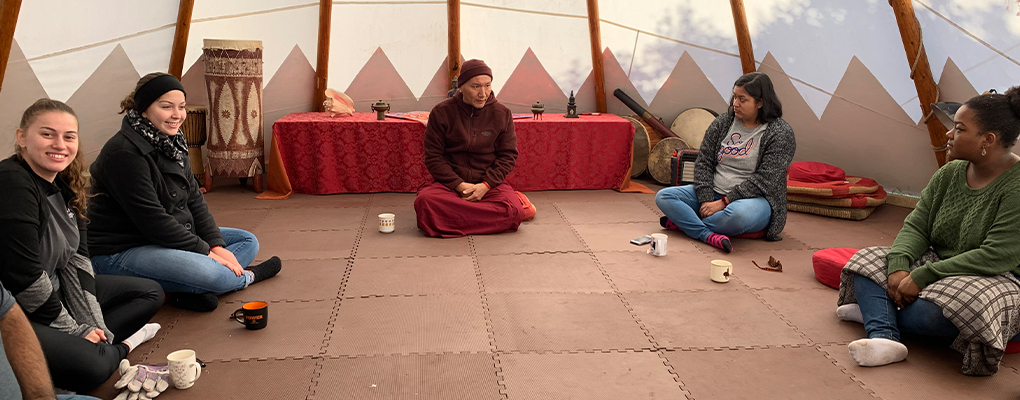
{"x": 687, "y": 86}
{"x": 615, "y": 78}
{"x": 21, "y": 88}
{"x": 530, "y": 82}
{"x": 291, "y": 90}
{"x": 379, "y": 80}
{"x": 97, "y": 101}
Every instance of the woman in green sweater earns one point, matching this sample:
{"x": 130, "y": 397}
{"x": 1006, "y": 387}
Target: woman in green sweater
{"x": 963, "y": 230}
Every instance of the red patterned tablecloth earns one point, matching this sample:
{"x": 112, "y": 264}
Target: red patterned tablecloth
{"x": 358, "y": 154}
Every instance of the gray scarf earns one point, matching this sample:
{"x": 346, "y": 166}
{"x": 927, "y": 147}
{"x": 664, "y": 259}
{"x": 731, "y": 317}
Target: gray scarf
{"x": 173, "y": 147}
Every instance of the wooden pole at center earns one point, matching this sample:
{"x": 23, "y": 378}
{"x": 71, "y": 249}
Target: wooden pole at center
{"x": 322, "y": 56}
{"x": 453, "y": 41}
{"x": 9, "y": 10}
{"x": 927, "y": 90}
{"x": 181, "y": 38}
{"x": 743, "y": 37}
{"x": 598, "y": 70}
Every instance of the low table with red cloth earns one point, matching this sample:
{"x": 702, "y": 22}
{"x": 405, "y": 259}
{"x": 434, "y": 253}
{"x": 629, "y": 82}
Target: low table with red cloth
{"x": 360, "y": 154}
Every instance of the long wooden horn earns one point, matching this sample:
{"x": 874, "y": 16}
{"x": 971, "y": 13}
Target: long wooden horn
{"x": 645, "y": 115}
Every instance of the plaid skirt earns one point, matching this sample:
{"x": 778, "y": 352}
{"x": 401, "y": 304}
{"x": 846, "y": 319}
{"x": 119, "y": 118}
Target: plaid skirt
{"x": 986, "y": 309}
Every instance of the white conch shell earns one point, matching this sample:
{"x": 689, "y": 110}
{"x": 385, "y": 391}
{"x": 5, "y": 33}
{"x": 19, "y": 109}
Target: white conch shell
{"x": 338, "y": 103}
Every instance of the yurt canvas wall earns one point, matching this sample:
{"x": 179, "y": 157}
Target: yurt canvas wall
{"x": 839, "y": 66}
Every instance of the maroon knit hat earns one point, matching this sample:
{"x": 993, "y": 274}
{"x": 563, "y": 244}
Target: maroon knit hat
{"x": 471, "y": 69}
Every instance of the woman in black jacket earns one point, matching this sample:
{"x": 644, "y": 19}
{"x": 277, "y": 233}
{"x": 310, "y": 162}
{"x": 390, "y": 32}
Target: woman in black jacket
{"x": 147, "y": 216}
{"x": 85, "y": 323}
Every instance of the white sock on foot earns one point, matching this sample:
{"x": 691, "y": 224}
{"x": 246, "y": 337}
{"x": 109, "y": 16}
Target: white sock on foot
{"x": 877, "y": 352}
{"x": 143, "y": 335}
{"x": 850, "y": 312}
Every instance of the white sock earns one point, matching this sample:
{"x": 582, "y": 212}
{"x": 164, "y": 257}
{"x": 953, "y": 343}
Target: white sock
{"x": 850, "y": 312}
{"x": 143, "y": 335}
{"x": 877, "y": 352}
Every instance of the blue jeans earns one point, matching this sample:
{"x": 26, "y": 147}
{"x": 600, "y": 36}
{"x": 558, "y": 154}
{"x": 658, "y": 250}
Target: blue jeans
{"x": 882, "y": 320}
{"x": 680, "y": 204}
{"x": 184, "y": 271}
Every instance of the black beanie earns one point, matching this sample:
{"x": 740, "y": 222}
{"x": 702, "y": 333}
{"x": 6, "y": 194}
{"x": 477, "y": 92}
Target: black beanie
{"x": 153, "y": 89}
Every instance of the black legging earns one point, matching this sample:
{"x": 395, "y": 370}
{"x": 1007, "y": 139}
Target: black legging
{"x": 79, "y": 365}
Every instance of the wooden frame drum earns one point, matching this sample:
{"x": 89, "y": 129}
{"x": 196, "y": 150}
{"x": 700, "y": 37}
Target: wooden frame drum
{"x": 691, "y": 125}
{"x": 658, "y": 159}
{"x": 645, "y": 138}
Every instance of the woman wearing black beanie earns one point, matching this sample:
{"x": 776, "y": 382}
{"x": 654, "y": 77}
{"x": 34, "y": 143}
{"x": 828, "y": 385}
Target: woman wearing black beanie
{"x": 147, "y": 215}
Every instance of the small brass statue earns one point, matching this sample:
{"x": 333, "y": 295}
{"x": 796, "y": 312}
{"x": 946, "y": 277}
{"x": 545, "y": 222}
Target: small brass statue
{"x": 571, "y": 107}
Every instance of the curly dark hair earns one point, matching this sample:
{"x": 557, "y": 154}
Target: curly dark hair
{"x": 999, "y": 113}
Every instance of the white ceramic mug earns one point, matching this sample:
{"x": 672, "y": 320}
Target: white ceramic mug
{"x": 184, "y": 369}
{"x": 658, "y": 244}
{"x": 387, "y": 222}
{"x": 721, "y": 271}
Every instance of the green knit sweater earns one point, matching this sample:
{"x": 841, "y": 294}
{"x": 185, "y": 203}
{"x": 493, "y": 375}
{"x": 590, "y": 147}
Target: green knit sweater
{"x": 973, "y": 231}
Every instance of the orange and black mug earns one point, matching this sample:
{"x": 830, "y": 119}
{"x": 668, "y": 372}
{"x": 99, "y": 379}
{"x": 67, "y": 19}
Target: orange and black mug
{"x": 254, "y": 315}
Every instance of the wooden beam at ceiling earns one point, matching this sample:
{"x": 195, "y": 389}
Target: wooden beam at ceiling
{"x": 181, "y": 38}
{"x": 322, "y": 57}
{"x": 743, "y": 36}
{"x": 453, "y": 40}
{"x": 9, "y": 10}
{"x": 927, "y": 90}
{"x": 598, "y": 70}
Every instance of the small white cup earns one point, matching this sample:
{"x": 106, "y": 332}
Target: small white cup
{"x": 721, "y": 271}
{"x": 387, "y": 222}
{"x": 658, "y": 248}
{"x": 184, "y": 369}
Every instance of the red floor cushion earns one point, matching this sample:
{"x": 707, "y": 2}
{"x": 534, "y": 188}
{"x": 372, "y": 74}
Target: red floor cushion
{"x": 1012, "y": 347}
{"x": 815, "y": 172}
{"x": 828, "y": 264}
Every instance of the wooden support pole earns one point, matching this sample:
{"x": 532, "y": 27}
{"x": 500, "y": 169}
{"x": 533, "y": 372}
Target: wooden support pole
{"x": 9, "y": 10}
{"x": 322, "y": 57}
{"x": 743, "y": 36}
{"x": 181, "y": 38}
{"x": 453, "y": 41}
{"x": 927, "y": 91}
{"x": 598, "y": 71}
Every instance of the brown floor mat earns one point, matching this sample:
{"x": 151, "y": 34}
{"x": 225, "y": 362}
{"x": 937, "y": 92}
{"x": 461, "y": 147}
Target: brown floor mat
{"x": 931, "y": 371}
{"x": 781, "y": 373}
{"x": 536, "y": 238}
{"x": 406, "y": 242}
{"x": 299, "y": 280}
{"x": 536, "y": 322}
{"x": 616, "y": 237}
{"x": 512, "y": 315}
{"x": 610, "y": 376}
{"x": 812, "y": 312}
{"x": 241, "y": 219}
{"x": 798, "y": 272}
{"x": 565, "y": 272}
{"x": 411, "y": 276}
{"x": 599, "y": 213}
{"x": 298, "y": 200}
{"x": 311, "y": 219}
{"x": 306, "y": 245}
{"x": 427, "y": 376}
{"x": 634, "y": 271}
{"x": 295, "y": 329}
{"x": 732, "y": 318}
{"x": 393, "y": 199}
{"x": 268, "y": 379}
{"x": 409, "y": 324}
